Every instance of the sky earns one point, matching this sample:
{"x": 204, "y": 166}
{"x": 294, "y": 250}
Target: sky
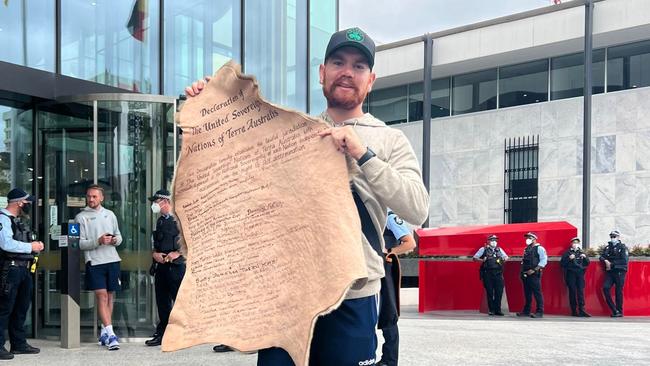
{"x": 393, "y": 20}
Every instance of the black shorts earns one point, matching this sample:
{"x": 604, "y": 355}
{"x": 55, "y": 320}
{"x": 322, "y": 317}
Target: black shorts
{"x": 103, "y": 276}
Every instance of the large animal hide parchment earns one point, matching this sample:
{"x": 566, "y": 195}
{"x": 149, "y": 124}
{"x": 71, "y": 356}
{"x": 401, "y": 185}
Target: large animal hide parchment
{"x": 272, "y": 233}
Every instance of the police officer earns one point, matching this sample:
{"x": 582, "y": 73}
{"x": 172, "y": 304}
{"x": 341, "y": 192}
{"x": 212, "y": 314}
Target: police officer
{"x": 398, "y": 240}
{"x": 532, "y": 264}
{"x": 615, "y": 257}
{"x": 491, "y": 272}
{"x": 16, "y": 257}
{"x": 574, "y": 262}
{"x": 169, "y": 265}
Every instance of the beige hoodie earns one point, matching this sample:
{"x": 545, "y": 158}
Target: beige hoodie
{"x": 391, "y": 179}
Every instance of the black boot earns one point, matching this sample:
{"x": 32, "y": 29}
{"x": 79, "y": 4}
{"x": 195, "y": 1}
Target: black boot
{"x": 155, "y": 341}
{"x": 5, "y": 355}
{"x": 25, "y": 350}
{"x": 584, "y": 314}
{"x": 222, "y": 348}
{"x": 537, "y": 315}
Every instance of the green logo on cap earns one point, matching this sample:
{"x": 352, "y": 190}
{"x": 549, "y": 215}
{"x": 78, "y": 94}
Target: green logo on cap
{"x": 355, "y": 34}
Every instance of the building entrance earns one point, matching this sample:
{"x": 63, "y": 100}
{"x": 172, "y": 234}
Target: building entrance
{"x": 126, "y": 143}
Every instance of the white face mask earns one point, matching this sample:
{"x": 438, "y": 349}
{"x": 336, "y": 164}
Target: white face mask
{"x": 575, "y": 246}
{"x": 493, "y": 244}
{"x": 155, "y": 208}
{"x": 529, "y": 241}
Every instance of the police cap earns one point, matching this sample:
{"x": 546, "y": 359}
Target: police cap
{"x": 575, "y": 239}
{"x": 614, "y": 233}
{"x": 530, "y": 235}
{"x": 161, "y": 194}
{"x": 17, "y": 195}
{"x": 492, "y": 237}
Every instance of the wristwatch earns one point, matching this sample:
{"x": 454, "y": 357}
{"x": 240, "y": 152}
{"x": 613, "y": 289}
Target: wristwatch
{"x": 369, "y": 154}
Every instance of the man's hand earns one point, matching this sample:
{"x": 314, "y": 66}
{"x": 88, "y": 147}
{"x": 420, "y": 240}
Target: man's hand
{"x": 37, "y": 246}
{"x": 105, "y": 239}
{"x": 196, "y": 87}
{"x": 346, "y": 141}
{"x": 583, "y": 255}
{"x": 113, "y": 240}
{"x": 572, "y": 256}
{"x": 173, "y": 256}
{"x": 158, "y": 257}
{"x": 608, "y": 265}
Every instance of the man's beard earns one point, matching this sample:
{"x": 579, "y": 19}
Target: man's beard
{"x": 347, "y": 103}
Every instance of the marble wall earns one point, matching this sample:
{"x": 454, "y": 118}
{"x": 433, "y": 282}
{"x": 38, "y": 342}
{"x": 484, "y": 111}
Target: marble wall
{"x": 467, "y": 157}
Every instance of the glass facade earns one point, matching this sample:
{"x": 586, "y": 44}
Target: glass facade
{"x": 200, "y": 36}
{"x": 439, "y": 99}
{"x": 568, "y": 78}
{"x": 474, "y": 92}
{"x": 628, "y": 66}
{"x": 118, "y": 43}
{"x": 275, "y": 49}
{"x": 390, "y": 105}
{"x": 323, "y": 17}
{"x": 523, "y": 83}
{"x": 27, "y": 33}
{"x": 16, "y": 165}
{"x": 112, "y": 42}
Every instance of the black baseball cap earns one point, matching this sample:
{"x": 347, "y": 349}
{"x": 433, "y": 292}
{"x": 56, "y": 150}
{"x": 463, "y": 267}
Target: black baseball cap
{"x": 17, "y": 195}
{"x": 161, "y": 194}
{"x": 352, "y": 37}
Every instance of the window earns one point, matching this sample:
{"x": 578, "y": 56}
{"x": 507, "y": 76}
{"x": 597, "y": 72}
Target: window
{"x": 523, "y": 83}
{"x": 322, "y": 24}
{"x": 27, "y": 33}
{"x": 276, "y": 49}
{"x": 474, "y": 92}
{"x": 439, "y": 99}
{"x": 568, "y": 76}
{"x": 200, "y": 36}
{"x": 111, "y": 42}
{"x": 628, "y": 66}
{"x": 521, "y": 173}
{"x": 389, "y": 105}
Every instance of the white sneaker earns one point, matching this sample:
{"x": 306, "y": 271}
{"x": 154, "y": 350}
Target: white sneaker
{"x": 112, "y": 343}
{"x": 103, "y": 339}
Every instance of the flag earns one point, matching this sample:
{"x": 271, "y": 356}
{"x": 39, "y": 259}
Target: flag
{"x": 135, "y": 24}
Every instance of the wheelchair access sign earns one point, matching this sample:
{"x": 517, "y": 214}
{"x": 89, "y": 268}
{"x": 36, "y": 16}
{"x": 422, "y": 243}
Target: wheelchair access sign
{"x": 73, "y": 235}
{"x": 73, "y": 230}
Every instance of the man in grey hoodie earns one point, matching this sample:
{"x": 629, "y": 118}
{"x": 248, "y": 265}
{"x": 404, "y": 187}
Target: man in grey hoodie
{"x": 384, "y": 172}
{"x": 99, "y": 237}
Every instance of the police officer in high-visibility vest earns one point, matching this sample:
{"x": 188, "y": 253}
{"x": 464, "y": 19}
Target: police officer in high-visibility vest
{"x": 491, "y": 272}
{"x": 532, "y": 264}
{"x": 615, "y": 257}
{"x": 17, "y": 251}
{"x": 169, "y": 264}
{"x": 574, "y": 262}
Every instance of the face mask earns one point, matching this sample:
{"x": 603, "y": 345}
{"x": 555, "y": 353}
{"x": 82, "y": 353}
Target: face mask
{"x": 529, "y": 241}
{"x": 575, "y": 246}
{"x": 26, "y": 209}
{"x": 493, "y": 244}
{"x": 155, "y": 208}
{"x": 614, "y": 240}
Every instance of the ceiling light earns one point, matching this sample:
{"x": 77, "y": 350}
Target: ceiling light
{"x": 71, "y": 161}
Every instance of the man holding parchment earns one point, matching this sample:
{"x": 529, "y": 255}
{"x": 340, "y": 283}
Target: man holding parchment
{"x": 383, "y": 172}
